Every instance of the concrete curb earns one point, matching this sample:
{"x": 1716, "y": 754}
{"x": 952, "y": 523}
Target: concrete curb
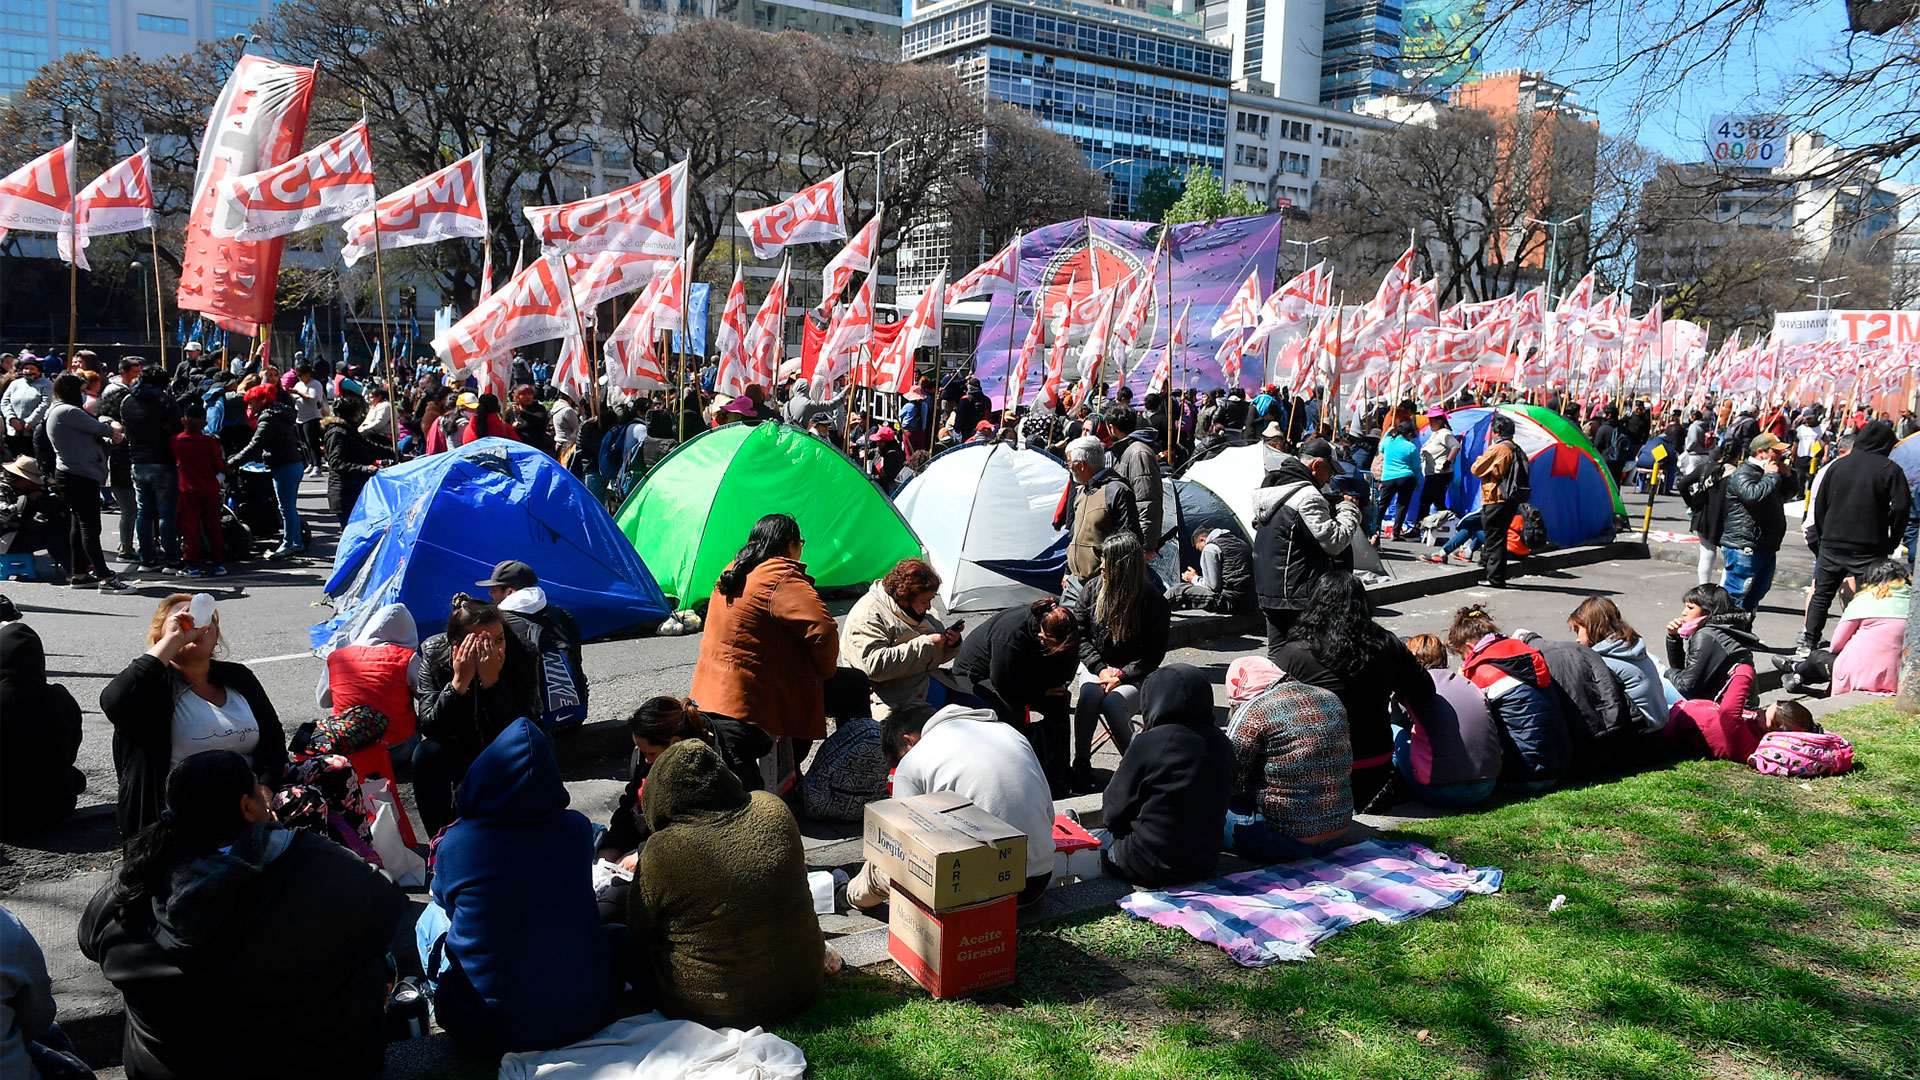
{"x": 1689, "y": 555}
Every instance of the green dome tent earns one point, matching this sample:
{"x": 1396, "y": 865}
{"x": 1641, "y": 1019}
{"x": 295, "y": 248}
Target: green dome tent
{"x": 692, "y": 513}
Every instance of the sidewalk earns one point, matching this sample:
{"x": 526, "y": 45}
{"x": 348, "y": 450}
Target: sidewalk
{"x": 1671, "y": 539}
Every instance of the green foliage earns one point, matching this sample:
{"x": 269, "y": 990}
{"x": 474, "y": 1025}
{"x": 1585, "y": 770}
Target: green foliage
{"x": 1204, "y": 200}
{"x": 1159, "y": 190}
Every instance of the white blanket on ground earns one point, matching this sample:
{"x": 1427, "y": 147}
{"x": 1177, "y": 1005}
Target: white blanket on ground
{"x": 656, "y": 1048}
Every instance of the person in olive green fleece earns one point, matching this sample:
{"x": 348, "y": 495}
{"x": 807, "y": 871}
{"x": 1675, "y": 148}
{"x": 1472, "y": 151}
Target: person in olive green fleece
{"x": 719, "y": 905}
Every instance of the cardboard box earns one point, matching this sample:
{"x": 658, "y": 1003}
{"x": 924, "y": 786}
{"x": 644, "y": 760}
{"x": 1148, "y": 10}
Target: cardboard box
{"x": 945, "y": 851}
{"x": 954, "y": 952}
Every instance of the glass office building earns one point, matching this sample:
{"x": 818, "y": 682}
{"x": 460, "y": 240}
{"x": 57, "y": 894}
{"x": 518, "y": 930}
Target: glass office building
{"x": 36, "y": 32}
{"x": 1360, "y": 52}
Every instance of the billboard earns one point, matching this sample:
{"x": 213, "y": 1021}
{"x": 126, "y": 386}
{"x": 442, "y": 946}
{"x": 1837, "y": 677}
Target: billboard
{"x": 1440, "y": 42}
{"x": 1852, "y": 327}
{"x": 1757, "y": 141}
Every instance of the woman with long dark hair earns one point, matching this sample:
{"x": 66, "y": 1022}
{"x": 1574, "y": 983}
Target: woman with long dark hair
{"x": 1337, "y": 646}
{"x": 1123, "y": 637}
{"x": 770, "y": 646}
{"x": 242, "y": 949}
{"x": 658, "y": 723}
{"x": 486, "y": 421}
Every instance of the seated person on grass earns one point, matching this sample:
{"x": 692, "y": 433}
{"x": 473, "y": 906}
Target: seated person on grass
{"x": 1709, "y": 639}
{"x": 1865, "y": 654}
{"x": 1449, "y": 755}
{"x": 1292, "y": 786}
{"x": 1536, "y": 750}
{"x": 968, "y": 752}
{"x": 1727, "y": 729}
{"x": 1166, "y": 802}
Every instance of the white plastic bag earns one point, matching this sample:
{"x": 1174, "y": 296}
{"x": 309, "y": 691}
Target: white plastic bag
{"x": 398, "y": 861}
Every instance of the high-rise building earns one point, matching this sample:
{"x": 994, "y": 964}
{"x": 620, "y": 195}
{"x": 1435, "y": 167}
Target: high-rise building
{"x": 1359, "y": 51}
{"x": 37, "y": 32}
{"x": 1275, "y": 42}
{"x": 867, "y": 25}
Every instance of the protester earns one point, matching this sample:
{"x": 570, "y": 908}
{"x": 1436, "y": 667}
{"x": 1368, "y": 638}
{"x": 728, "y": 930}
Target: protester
{"x": 1224, "y": 583}
{"x": 1166, "y": 805}
{"x": 1728, "y": 727}
{"x": 31, "y": 517}
{"x": 1123, "y": 622}
{"x": 483, "y": 420}
{"x": 1099, "y": 503}
{"x": 31, "y": 1043}
{"x": 523, "y": 963}
{"x": 1437, "y": 457}
{"x": 1400, "y": 480}
{"x": 1861, "y": 511}
{"x": 201, "y": 467}
{"x": 1868, "y": 642}
{"x": 1299, "y": 535}
{"x": 28, "y": 397}
{"x": 1600, "y": 718}
{"x": 970, "y": 753}
{"x": 309, "y": 399}
{"x": 472, "y": 681}
{"x": 720, "y": 905}
{"x": 175, "y": 700}
{"x": 39, "y": 737}
{"x": 80, "y": 469}
{"x": 550, "y": 635}
{"x": 892, "y": 636}
{"x": 378, "y": 422}
{"x": 276, "y": 443}
{"x": 376, "y": 669}
{"x": 1337, "y": 646}
{"x": 1502, "y": 469}
{"x": 531, "y": 422}
{"x": 1598, "y": 624}
{"x": 1705, "y": 644}
{"x": 214, "y": 899}
{"x": 150, "y": 420}
{"x": 1756, "y": 521}
{"x": 1293, "y": 766}
{"x": 1448, "y": 754}
{"x": 1136, "y": 459}
{"x": 1021, "y": 660}
{"x": 1704, "y": 490}
{"x": 351, "y": 457}
{"x": 1536, "y": 749}
{"x": 770, "y": 646}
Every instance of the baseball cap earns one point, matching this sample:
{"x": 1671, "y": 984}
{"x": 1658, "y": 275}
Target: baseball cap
{"x": 984, "y": 425}
{"x": 469, "y": 400}
{"x": 511, "y": 574}
{"x": 1320, "y": 449}
{"x": 1765, "y": 441}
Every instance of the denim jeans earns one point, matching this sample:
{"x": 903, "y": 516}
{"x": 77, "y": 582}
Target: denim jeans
{"x": 1450, "y": 796}
{"x": 1249, "y": 836}
{"x": 1749, "y": 576}
{"x": 286, "y": 488}
{"x": 156, "y": 491}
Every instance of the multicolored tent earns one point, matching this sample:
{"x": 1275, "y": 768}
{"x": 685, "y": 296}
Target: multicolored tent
{"x": 692, "y": 513}
{"x": 1906, "y": 454}
{"x": 430, "y": 528}
{"x": 1572, "y": 490}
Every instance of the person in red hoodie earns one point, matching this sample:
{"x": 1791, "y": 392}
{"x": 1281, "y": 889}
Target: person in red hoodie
{"x": 1725, "y": 728}
{"x": 202, "y": 463}
{"x": 484, "y": 419}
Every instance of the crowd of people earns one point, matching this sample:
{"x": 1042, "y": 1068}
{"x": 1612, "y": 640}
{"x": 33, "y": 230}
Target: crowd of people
{"x": 243, "y": 831}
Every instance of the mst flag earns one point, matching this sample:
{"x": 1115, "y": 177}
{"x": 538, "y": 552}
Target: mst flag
{"x": 850, "y": 330}
{"x": 119, "y": 200}
{"x": 766, "y": 338}
{"x": 531, "y": 307}
{"x": 732, "y": 339}
{"x": 649, "y": 217}
{"x": 443, "y": 205}
{"x": 1000, "y": 273}
{"x": 598, "y": 278}
{"x": 633, "y": 359}
{"x": 856, "y": 257}
{"x": 1243, "y": 311}
{"x": 329, "y": 182}
{"x": 894, "y": 366}
{"x": 809, "y": 215}
{"x": 38, "y": 196}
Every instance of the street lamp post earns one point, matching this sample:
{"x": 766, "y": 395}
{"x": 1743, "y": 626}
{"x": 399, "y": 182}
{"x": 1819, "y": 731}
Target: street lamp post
{"x": 1305, "y": 246}
{"x": 1821, "y": 298}
{"x": 1553, "y": 246}
{"x": 1114, "y": 164}
{"x": 146, "y": 304}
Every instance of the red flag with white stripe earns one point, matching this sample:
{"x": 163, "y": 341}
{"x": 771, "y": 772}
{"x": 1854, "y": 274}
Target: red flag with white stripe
{"x": 893, "y": 368}
{"x": 119, "y": 200}
{"x": 1036, "y": 336}
{"x": 38, "y": 196}
{"x": 447, "y": 204}
{"x": 632, "y": 350}
{"x": 731, "y": 339}
{"x": 850, "y": 331}
{"x": 856, "y": 258}
{"x": 333, "y": 180}
{"x": 1293, "y": 305}
{"x": 807, "y": 216}
{"x": 991, "y": 278}
{"x": 534, "y": 306}
{"x": 766, "y": 337}
{"x": 1163, "y": 374}
{"x": 1243, "y": 311}
{"x": 599, "y": 278}
{"x": 648, "y": 217}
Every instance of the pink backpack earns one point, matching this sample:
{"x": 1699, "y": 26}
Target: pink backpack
{"x": 1795, "y": 753}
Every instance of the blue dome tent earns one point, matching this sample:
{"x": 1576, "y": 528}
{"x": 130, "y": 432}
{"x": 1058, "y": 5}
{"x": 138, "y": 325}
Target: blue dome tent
{"x": 430, "y": 528}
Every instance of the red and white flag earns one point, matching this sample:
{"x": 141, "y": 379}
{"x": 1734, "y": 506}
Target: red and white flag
{"x": 329, "y": 182}
{"x": 38, "y": 196}
{"x": 1294, "y": 305}
{"x": 1135, "y": 308}
{"x": 1093, "y": 354}
{"x": 731, "y": 339}
{"x": 893, "y": 368}
{"x": 1062, "y": 334}
{"x": 1243, "y": 311}
{"x": 632, "y": 350}
{"x": 648, "y": 217}
{"x": 1035, "y": 339}
{"x": 573, "y": 375}
{"x": 855, "y": 258}
{"x": 119, "y": 200}
{"x": 443, "y": 205}
{"x": 1163, "y": 374}
{"x": 1578, "y": 298}
{"x": 849, "y": 332}
{"x": 807, "y": 216}
{"x": 531, "y": 307}
{"x": 1230, "y": 355}
{"x": 599, "y": 278}
{"x": 1530, "y": 313}
{"x": 998, "y": 274}
{"x": 766, "y": 338}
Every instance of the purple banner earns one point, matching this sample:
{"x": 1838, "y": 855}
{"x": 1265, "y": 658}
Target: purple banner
{"x": 1209, "y": 262}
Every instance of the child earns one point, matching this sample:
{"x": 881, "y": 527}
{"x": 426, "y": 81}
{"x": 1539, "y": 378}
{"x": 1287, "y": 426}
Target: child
{"x": 202, "y": 466}
{"x": 1705, "y": 644}
{"x": 1727, "y": 729}
{"x": 1866, "y": 648}
{"x": 1450, "y": 756}
{"x": 1535, "y": 747}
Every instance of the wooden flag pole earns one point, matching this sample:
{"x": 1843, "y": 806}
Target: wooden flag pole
{"x": 159, "y": 301}
{"x": 380, "y": 290}
{"x": 73, "y": 285}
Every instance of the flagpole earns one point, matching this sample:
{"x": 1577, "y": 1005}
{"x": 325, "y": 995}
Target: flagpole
{"x": 380, "y": 290}
{"x": 159, "y": 300}
{"x": 579, "y": 324}
{"x": 1013, "y": 324}
{"x": 1339, "y": 340}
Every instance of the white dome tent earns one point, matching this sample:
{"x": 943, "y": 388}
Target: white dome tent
{"x": 985, "y": 513}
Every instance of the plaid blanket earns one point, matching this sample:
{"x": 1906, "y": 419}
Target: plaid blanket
{"x": 1279, "y": 912}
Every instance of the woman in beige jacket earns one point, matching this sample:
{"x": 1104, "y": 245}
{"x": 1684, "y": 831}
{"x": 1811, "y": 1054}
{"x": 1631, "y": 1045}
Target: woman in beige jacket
{"x": 891, "y": 636}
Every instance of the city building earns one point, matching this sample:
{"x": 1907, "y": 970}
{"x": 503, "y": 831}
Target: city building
{"x": 1277, "y": 149}
{"x": 37, "y": 32}
{"x": 1275, "y": 43}
{"x": 1542, "y": 124}
{"x": 1359, "y": 51}
{"x": 868, "y": 25}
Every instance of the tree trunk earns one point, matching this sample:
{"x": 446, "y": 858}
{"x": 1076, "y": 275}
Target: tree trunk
{"x": 1908, "y": 699}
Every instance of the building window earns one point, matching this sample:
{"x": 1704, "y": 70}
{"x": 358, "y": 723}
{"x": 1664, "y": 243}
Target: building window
{"x": 228, "y": 21}
{"x": 162, "y": 24}
{"x": 81, "y": 20}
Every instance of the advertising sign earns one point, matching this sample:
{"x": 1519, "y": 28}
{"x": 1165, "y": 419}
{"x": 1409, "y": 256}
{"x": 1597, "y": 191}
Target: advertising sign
{"x": 1758, "y": 141}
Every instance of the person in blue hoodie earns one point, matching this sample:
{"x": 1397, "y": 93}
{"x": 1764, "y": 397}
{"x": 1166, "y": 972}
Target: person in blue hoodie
{"x": 515, "y": 948}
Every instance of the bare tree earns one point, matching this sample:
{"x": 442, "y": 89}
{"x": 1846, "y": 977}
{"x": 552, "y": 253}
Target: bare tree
{"x": 1026, "y": 175}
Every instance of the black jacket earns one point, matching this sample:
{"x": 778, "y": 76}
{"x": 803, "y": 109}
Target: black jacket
{"x": 1005, "y": 666}
{"x": 472, "y": 719}
{"x": 1698, "y": 666}
{"x": 740, "y": 744}
{"x": 1168, "y": 799}
{"x": 552, "y": 627}
{"x": 350, "y": 458}
{"x": 1141, "y": 653}
{"x": 1392, "y": 673}
{"x": 151, "y": 420}
{"x": 1865, "y": 502}
{"x": 139, "y": 703}
{"x": 1288, "y": 557}
{"x": 1593, "y": 701}
{"x": 1756, "y": 515}
{"x": 267, "y": 960}
{"x": 1704, "y": 490}
{"x": 39, "y": 736}
{"x": 276, "y": 440}
{"x": 1236, "y": 574}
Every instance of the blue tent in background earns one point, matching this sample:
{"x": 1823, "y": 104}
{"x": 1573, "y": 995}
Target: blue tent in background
{"x": 1574, "y": 494}
{"x": 430, "y": 528}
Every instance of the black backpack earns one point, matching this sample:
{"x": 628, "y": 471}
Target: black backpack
{"x": 1533, "y": 527}
{"x": 1517, "y": 483}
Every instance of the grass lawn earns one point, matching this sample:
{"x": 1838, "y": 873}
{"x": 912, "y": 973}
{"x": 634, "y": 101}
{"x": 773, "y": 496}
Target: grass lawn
{"x": 1718, "y": 923}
